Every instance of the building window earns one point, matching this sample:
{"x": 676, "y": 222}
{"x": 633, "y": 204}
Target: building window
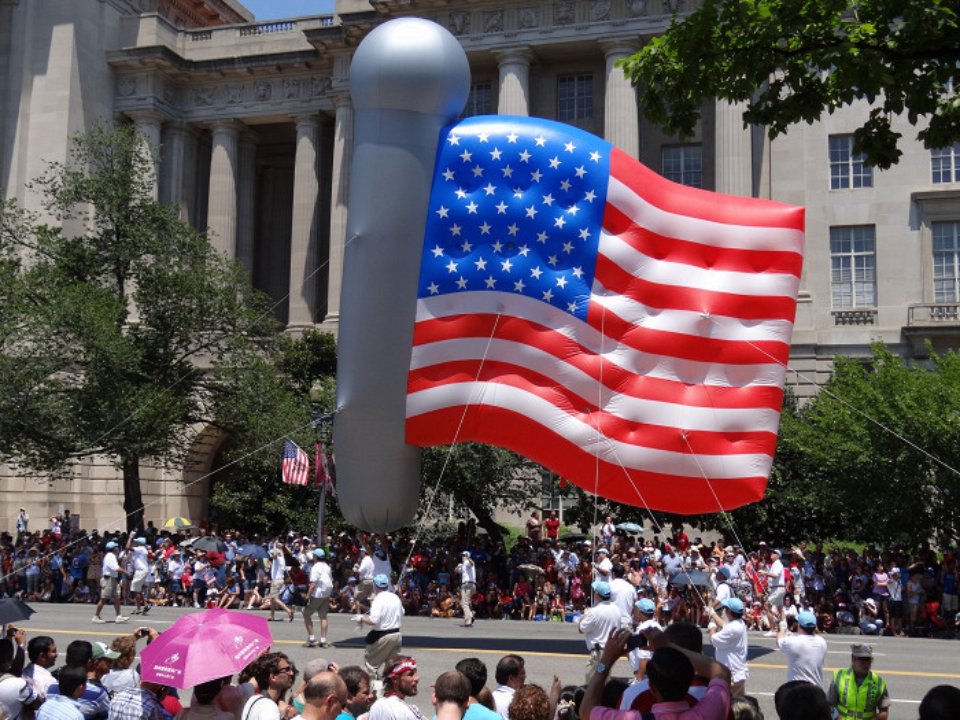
{"x": 847, "y": 170}
{"x": 945, "y": 164}
{"x": 683, "y": 164}
{"x": 853, "y": 262}
{"x": 946, "y": 262}
{"x": 480, "y": 100}
{"x": 574, "y": 98}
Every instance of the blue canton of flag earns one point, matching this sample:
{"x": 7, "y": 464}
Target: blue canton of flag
{"x": 515, "y": 211}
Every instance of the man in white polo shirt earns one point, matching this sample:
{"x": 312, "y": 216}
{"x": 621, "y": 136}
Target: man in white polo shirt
{"x": 110, "y": 583}
{"x": 467, "y": 570}
{"x": 140, "y": 560}
{"x": 386, "y": 614}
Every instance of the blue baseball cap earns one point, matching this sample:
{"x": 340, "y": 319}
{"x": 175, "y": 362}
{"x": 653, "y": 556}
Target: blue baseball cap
{"x": 140, "y": 541}
{"x": 734, "y": 605}
{"x": 319, "y": 553}
{"x": 646, "y": 606}
{"x": 381, "y": 581}
{"x": 110, "y": 545}
{"x": 806, "y": 619}
{"x": 601, "y": 588}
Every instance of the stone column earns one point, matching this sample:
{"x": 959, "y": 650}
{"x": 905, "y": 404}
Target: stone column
{"x": 734, "y": 173}
{"x": 621, "y": 119}
{"x": 339, "y": 186}
{"x": 303, "y": 234}
{"x": 514, "y": 64}
{"x": 222, "y": 202}
{"x": 173, "y": 174}
{"x": 148, "y": 125}
{"x": 246, "y": 195}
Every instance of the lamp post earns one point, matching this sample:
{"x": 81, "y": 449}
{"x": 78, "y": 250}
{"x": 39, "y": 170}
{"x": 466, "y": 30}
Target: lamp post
{"x": 319, "y": 422}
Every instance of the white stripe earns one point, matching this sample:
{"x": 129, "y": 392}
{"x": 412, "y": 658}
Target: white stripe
{"x": 654, "y": 365}
{"x": 627, "y": 407}
{"x": 705, "y": 232}
{"x": 584, "y": 435}
{"x": 686, "y": 322}
{"x": 665, "y": 272}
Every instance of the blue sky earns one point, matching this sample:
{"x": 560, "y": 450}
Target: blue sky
{"x": 273, "y": 9}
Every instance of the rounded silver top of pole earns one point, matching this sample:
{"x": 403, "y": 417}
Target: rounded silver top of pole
{"x": 410, "y": 64}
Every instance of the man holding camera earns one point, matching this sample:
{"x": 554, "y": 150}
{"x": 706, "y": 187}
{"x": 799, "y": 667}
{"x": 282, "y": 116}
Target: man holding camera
{"x": 728, "y": 635}
{"x": 599, "y": 622}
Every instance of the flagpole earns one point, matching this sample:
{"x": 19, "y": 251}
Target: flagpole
{"x": 317, "y": 449}
{"x": 318, "y": 421}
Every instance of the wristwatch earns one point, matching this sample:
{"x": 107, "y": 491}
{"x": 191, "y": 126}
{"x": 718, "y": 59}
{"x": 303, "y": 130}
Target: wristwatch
{"x": 600, "y": 667}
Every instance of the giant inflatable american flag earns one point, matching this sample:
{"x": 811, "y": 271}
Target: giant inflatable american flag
{"x": 628, "y": 333}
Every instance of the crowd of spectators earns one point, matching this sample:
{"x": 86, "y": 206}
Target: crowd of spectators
{"x": 544, "y": 575}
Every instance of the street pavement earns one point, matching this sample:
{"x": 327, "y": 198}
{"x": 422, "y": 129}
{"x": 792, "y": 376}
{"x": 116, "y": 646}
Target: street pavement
{"x": 910, "y": 666}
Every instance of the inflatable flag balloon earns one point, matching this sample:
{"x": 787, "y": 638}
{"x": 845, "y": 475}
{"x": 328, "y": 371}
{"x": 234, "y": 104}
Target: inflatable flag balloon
{"x": 522, "y": 283}
{"x": 628, "y": 333}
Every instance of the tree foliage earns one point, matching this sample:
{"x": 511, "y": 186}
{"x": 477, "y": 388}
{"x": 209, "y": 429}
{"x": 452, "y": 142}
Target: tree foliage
{"x": 114, "y": 312}
{"x": 792, "y": 61}
{"x": 264, "y": 398}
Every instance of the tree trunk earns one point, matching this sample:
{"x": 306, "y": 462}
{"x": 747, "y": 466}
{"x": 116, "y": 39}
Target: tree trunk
{"x": 486, "y": 521}
{"x": 132, "y": 498}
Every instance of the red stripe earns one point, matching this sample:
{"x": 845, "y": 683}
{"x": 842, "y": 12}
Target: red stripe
{"x": 657, "y": 295}
{"x": 568, "y": 402}
{"x": 662, "y": 247}
{"x": 688, "y": 347}
{"x": 613, "y": 376}
{"x": 510, "y": 430}
{"x": 693, "y": 202}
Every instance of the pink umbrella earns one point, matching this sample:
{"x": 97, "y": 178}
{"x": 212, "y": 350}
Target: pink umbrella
{"x": 203, "y": 646}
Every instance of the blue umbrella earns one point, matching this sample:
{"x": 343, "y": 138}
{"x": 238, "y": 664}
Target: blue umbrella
{"x": 252, "y": 550}
{"x": 630, "y": 527}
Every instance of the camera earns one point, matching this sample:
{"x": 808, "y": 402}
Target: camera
{"x": 636, "y": 641}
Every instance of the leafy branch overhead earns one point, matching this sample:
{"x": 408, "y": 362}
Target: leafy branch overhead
{"x": 792, "y": 61}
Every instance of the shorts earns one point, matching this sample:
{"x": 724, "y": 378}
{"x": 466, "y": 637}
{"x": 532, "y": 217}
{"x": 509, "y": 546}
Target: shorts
{"x": 176, "y": 587}
{"x": 109, "y": 588}
{"x": 949, "y": 603}
{"x": 364, "y": 591}
{"x": 895, "y": 608}
{"x": 276, "y": 587}
{"x": 775, "y": 598}
{"x": 318, "y": 605}
{"x": 136, "y": 585}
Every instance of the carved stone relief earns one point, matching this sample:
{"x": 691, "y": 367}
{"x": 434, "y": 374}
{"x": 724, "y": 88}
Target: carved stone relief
{"x": 493, "y": 21}
{"x": 203, "y": 96}
{"x": 262, "y": 90}
{"x": 528, "y": 17}
{"x": 564, "y": 13}
{"x": 599, "y": 10}
{"x": 636, "y": 8}
{"x": 459, "y": 22}
{"x": 673, "y": 6}
{"x": 320, "y": 85}
{"x": 235, "y": 94}
{"x": 291, "y": 89}
{"x": 126, "y": 86}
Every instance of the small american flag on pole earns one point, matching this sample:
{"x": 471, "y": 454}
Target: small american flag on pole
{"x": 626, "y": 332}
{"x": 296, "y": 464}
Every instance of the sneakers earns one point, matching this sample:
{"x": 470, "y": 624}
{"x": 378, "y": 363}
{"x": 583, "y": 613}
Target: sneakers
{"x": 136, "y": 612}
{"x": 98, "y": 620}
{"x": 122, "y": 618}
{"x": 146, "y": 609}
{"x": 770, "y": 633}
{"x": 196, "y": 605}
{"x": 310, "y": 643}
{"x": 325, "y": 644}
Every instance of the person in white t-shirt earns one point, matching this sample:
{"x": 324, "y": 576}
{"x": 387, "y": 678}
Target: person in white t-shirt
{"x": 140, "y": 562}
{"x": 602, "y": 567}
{"x": 400, "y": 681}
{"x": 363, "y": 569}
{"x": 510, "y": 674}
{"x": 645, "y": 615}
{"x": 278, "y": 574}
{"x": 728, "y": 635}
{"x": 386, "y": 615}
{"x": 110, "y": 583}
{"x": 777, "y": 584}
{"x": 805, "y": 651}
{"x": 467, "y": 570}
{"x": 598, "y": 622}
{"x": 318, "y": 598}
{"x": 42, "y": 651}
{"x": 622, "y": 593}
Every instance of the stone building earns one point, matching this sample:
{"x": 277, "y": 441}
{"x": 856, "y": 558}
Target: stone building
{"x": 254, "y": 123}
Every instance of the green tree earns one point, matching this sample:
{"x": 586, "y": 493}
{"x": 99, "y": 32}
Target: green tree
{"x": 480, "y": 479}
{"x": 792, "y": 61}
{"x": 263, "y": 398}
{"x": 119, "y": 313}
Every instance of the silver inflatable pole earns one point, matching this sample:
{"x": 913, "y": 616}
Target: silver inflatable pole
{"x": 409, "y": 78}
